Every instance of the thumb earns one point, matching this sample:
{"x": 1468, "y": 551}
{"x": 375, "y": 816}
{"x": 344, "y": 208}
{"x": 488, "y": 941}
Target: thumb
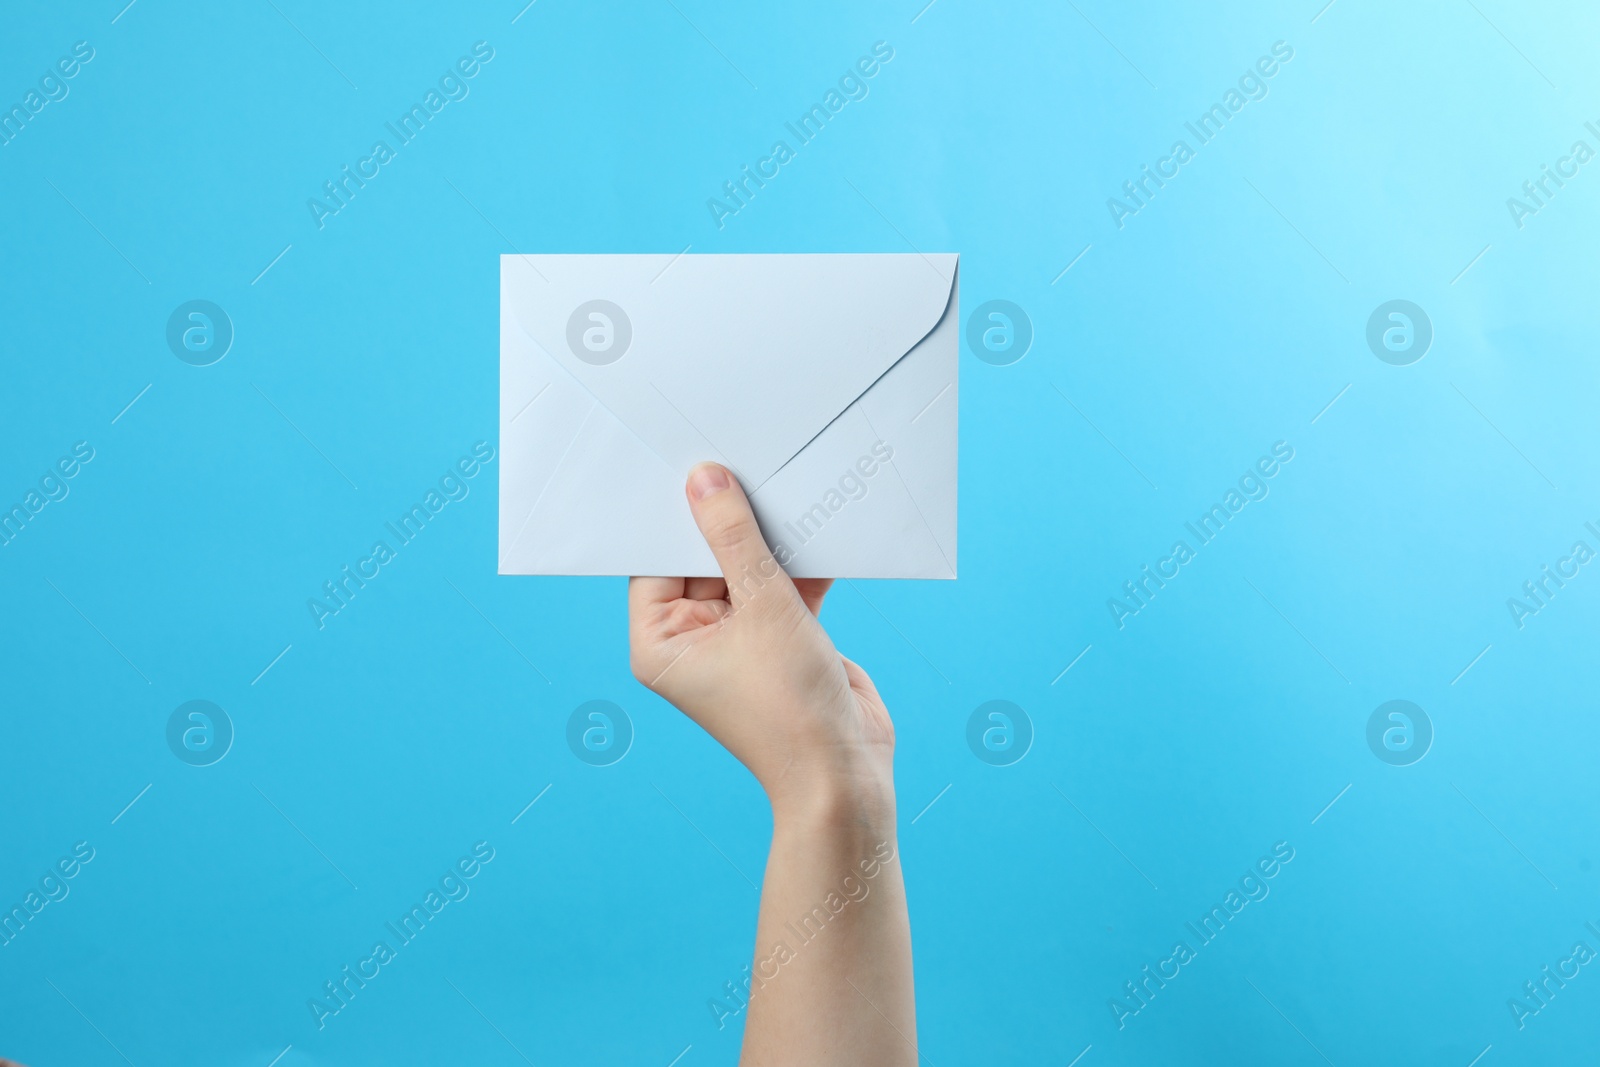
{"x": 722, "y": 512}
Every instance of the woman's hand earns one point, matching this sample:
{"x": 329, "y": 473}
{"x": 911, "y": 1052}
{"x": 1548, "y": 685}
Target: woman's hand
{"x": 745, "y": 657}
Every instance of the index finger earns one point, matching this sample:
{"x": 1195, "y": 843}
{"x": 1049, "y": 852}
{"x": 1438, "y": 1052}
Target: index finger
{"x": 649, "y": 592}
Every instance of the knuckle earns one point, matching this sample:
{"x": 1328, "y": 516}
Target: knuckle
{"x": 729, "y": 531}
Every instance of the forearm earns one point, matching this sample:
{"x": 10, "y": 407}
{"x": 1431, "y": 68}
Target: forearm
{"x": 830, "y": 985}
{"x": 832, "y": 978}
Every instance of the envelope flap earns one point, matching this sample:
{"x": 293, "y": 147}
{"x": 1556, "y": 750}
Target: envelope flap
{"x": 739, "y": 358}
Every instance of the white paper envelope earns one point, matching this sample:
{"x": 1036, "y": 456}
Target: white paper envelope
{"x": 827, "y": 383}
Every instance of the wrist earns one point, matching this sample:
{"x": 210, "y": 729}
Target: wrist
{"x": 857, "y": 799}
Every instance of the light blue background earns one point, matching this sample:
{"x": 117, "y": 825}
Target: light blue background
{"x": 1224, "y": 718}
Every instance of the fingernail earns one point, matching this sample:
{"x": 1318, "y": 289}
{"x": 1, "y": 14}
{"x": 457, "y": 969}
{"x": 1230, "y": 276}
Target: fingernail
{"x": 706, "y": 479}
